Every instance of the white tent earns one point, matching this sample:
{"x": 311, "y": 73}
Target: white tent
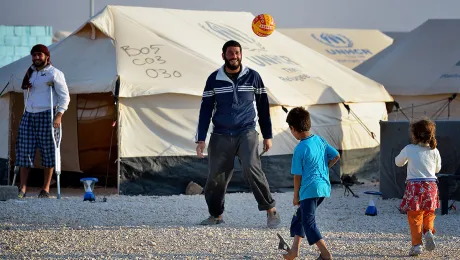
{"x": 155, "y": 63}
{"x": 59, "y": 35}
{"x": 369, "y": 63}
{"x": 349, "y": 47}
{"x": 422, "y": 71}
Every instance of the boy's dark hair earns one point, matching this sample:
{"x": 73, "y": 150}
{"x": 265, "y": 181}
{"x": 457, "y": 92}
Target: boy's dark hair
{"x": 424, "y": 131}
{"x": 230, "y": 43}
{"x": 299, "y": 119}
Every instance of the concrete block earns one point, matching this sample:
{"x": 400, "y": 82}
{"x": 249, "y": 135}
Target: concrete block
{"x": 12, "y": 40}
{"x": 21, "y": 51}
{"x": 6, "y": 30}
{"x": 49, "y": 31}
{"x": 6, "y": 51}
{"x": 21, "y": 31}
{"x": 45, "y": 40}
{"x": 8, "y": 193}
{"x": 28, "y": 41}
{"x": 41, "y": 31}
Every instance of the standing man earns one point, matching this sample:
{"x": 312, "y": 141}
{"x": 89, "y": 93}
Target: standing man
{"x": 35, "y": 127}
{"x": 235, "y": 97}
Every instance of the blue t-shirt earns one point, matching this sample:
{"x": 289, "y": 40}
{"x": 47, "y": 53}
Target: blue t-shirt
{"x": 310, "y": 159}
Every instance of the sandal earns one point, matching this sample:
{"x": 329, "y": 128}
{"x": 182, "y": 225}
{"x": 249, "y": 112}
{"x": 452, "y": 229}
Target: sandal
{"x": 21, "y": 194}
{"x": 44, "y": 194}
{"x": 282, "y": 244}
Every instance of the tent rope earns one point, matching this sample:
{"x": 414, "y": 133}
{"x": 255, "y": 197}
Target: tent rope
{"x": 369, "y": 131}
{"x": 439, "y": 112}
{"x": 424, "y": 104}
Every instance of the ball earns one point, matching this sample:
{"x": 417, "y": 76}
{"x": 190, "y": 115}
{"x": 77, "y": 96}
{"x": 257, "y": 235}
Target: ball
{"x": 263, "y": 25}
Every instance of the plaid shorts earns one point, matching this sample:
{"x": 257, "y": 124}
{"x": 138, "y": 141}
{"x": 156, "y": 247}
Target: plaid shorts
{"x": 35, "y": 131}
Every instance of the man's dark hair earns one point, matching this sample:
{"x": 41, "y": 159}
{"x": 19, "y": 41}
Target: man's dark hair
{"x": 299, "y": 119}
{"x": 230, "y": 43}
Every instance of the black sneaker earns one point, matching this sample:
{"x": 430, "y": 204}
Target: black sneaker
{"x": 21, "y": 194}
{"x": 44, "y": 194}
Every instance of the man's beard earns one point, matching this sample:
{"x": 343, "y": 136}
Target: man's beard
{"x": 232, "y": 66}
{"x": 39, "y": 63}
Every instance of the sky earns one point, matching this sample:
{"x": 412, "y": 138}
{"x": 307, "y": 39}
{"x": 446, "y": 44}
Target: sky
{"x": 384, "y": 15}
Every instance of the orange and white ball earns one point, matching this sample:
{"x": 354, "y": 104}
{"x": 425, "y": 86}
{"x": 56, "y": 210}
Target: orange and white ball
{"x": 263, "y": 25}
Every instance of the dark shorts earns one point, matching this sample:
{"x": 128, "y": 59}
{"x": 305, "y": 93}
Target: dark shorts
{"x": 35, "y": 132}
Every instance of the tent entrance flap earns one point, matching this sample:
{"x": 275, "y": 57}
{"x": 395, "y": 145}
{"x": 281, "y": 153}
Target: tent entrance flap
{"x": 86, "y": 138}
{"x": 97, "y": 132}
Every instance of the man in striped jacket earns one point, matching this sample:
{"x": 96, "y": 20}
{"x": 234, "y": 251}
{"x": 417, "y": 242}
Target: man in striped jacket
{"x": 235, "y": 98}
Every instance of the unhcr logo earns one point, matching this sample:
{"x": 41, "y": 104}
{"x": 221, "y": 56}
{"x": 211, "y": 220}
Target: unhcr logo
{"x": 334, "y": 40}
{"x": 341, "y": 45}
{"x": 226, "y": 33}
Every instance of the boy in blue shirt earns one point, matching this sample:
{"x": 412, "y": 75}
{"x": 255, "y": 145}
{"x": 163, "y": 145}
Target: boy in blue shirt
{"x": 311, "y": 161}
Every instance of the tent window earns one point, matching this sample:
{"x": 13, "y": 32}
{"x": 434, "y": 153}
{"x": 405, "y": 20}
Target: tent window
{"x": 91, "y": 109}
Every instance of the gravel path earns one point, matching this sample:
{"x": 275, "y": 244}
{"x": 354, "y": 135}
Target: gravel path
{"x": 148, "y": 227}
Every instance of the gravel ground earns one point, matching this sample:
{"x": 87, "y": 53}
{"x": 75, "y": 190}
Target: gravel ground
{"x": 150, "y": 227}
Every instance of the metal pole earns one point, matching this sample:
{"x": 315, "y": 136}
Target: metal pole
{"x": 448, "y": 110}
{"x": 91, "y": 8}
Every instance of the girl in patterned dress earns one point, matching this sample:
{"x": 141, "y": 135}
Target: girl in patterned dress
{"x": 421, "y": 195}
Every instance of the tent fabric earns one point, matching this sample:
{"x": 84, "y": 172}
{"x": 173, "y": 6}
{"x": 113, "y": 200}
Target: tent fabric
{"x": 169, "y": 127}
{"x": 5, "y": 125}
{"x": 69, "y": 143}
{"x": 155, "y": 48}
{"x": 435, "y": 107}
{"x": 424, "y": 62}
{"x": 366, "y": 65}
{"x": 349, "y": 47}
{"x": 421, "y": 71}
{"x": 158, "y": 61}
{"x": 89, "y": 65}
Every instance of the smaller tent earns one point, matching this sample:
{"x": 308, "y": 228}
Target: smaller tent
{"x": 349, "y": 47}
{"x": 422, "y": 71}
{"x": 368, "y": 64}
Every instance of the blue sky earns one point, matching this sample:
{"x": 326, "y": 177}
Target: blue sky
{"x": 385, "y": 15}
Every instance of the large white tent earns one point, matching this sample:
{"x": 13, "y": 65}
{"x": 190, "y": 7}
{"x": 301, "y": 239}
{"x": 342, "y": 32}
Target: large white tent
{"x": 349, "y": 47}
{"x": 422, "y": 71}
{"x": 154, "y": 63}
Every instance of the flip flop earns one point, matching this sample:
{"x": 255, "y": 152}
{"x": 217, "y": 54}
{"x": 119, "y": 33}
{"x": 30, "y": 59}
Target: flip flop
{"x": 282, "y": 244}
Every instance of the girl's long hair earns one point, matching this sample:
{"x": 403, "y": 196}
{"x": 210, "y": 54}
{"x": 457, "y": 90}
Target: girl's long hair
{"x": 424, "y": 131}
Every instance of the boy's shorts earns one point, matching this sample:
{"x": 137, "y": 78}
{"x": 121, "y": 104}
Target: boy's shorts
{"x": 35, "y": 131}
{"x": 303, "y": 222}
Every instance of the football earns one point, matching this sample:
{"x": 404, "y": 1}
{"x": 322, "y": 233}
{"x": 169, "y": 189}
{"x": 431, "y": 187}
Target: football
{"x": 263, "y": 25}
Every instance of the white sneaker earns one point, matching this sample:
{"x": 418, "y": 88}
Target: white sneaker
{"x": 430, "y": 245}
{"x": 415, "y": 250}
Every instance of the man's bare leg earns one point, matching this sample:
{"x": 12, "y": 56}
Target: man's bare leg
{"x": 325, "y": 254}
{"x": 48, "y": 174}
{"x": 24, "y": 172}
{"x": 295, "y": 249}
{"x": 271, "y": 211}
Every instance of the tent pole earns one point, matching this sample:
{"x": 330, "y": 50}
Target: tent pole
{"x": 91, "y": 8}
{"x": 117, "y": 111}
{"x": 412, "y": 112}
{"x": 448, "y": 110}
{"x": 118, "y": 152}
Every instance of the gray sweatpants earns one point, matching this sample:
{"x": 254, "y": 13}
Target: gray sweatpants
{"x": 222, "y": 150}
